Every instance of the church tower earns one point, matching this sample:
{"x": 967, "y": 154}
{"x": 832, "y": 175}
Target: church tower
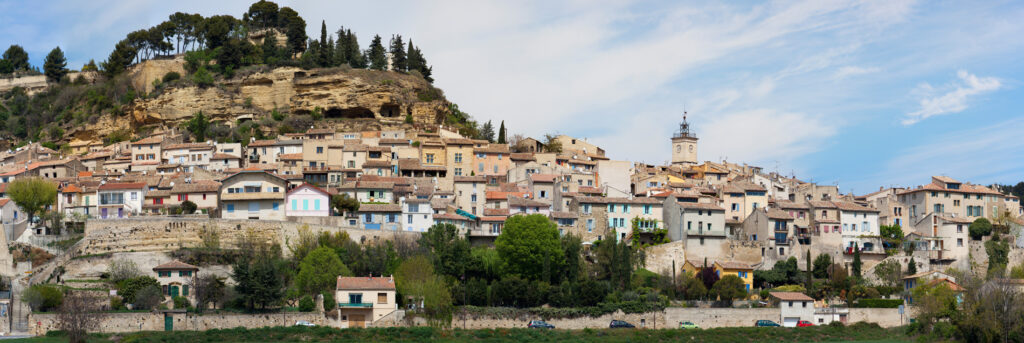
{"x": 684, "y": 145}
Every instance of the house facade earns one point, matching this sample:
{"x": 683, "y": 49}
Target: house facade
{"x": 364, "y": 300}
{"x": 253, "y": 194}
{"x": 308, "y": 201}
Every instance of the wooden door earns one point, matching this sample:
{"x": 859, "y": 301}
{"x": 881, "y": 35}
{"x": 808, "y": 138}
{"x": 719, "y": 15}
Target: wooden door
{"x": 356, "y": 321}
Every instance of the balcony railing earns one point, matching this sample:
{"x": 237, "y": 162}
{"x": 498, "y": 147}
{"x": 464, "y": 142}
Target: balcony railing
{"x": 356, "y": 305}
{"x": 252, "y": 196}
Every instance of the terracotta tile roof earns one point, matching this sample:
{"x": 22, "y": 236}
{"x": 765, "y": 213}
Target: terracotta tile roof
{"x": 319, "y": 131}
{"x": 590, "y": 190}
{"x": 849, "y": 206}
{"x": 500, "y": 195}
{"x": 4, "y": 201}
{"x": 519, "y": 201}
{"x": 493, "y": 218}
{"x": 374, "y": 185}
{"x": 175, "y": 265}
{"x": 376, "y": 164}
{"x": 563, "y": 215}
{"x": 791, "y": 205}
{"x": 700, "y": 206}
{"x": 791, "y": 296}
{"x": 778, "y": 214}
{"x": 470, "y": 179}
{"x": 160, "y": 193}
{"x": 822, "y": 204}
{"x": 458, "y": 141}
{"x": 956, "y": 220}
{"x": 393, "y": 141}
{"x": 414, "y": 164}
{"x": 734, "y": 265}
{"x": 124, "y": 185}
{"x": 945, "y": 179}
{"x": 450, "y": 216}
{"x": 71, "y": 188}
{"x": 380, "y": 208}
{"x": 493, "y": 149}
{"x": 439, "y": 204}
{"x": 222, "y": 156}
{"x": 290, "y": 157}
{"x": 366, "y": 283}
{"x": 263, "y": 142}
{"x": 496, "y": 212}
{"x": 204, "y": 186}
{"x": 593, "y": 200}
{"x": 190, "y": 146}
{"x": 149, "y": 140}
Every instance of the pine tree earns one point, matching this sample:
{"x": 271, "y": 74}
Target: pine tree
{"x": 55, "y": 65}
{"x": 270, "y": 50}
{"x": 415, "y": 61}
{"x": 856, "y": 260}
{"x": 487, "y": 132}
{"x": 501, "y": 133}
{"x": 355, "y": 56}
{"x": 376, "y": 54}
{"x": 341, "y": 48}
{"x": 398, "y": 57}
{"x": 911, "y": 267}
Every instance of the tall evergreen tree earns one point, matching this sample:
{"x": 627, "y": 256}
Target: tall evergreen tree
{"x": 412, "y": 56}
{"x": 270, "y": 51}
{"x": 911, "y": 267}
{"x": 856, "y": 260}
{"x": 501, "y": 134}
{"x": 119, "y": 59}
{"x": 356, "y": 59}
{"x": 295, "y": 29}
{"x": 376, "y": 54}
{"x": 341, "y": 47}
{"x": 55, "y": 65}
{"x": 398, "y": 57}
{"x": 17, "y": 57}
{"x": 324, "y": 51}
{"x": 810, "y": 271}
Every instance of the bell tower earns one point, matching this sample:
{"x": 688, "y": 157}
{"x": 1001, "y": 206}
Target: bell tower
{"x": 684, "y": 145}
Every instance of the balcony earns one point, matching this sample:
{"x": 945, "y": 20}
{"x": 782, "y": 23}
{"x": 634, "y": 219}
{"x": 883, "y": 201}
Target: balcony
{"x": 355, "y": 305}
{"x": 252, "y": 196}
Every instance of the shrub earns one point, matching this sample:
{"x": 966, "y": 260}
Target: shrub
{"x": 836, "y": 324}
{"x": 306, "y": 304}
{"x": 202, "y": 77}
{"x": 878, "y": 303}
{"x": 329, "y": 302}
{"x": 116, "y": 303}
{"x": 188, "y": 207}
{"x": 128, "y": 287}
{"x": 171, "y": 76}
{"x": 43, "y": 298}
{"x": 147, "y": 298}
{"x": 181, "y": 302}
{"x": 317, "y": 114}
{"x": 277, "y": 115}
{"x": 979, "y": 228}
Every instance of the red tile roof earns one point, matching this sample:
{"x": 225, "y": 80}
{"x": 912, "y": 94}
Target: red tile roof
{"x": 366, "y": 283}
{"x": 175, "y": 265}
{"x": 791, "y": 296}
{"x": 123, "y": 185}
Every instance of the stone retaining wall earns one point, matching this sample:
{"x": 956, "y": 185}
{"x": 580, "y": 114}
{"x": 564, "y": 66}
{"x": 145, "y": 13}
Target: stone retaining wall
{"x": 40, "y": 323}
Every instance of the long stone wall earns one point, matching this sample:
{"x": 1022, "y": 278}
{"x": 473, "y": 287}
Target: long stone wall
{"x": 170, "y": 233}
{"x": 40, "y": 323}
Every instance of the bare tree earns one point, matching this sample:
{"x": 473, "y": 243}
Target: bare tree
{"x": 122, "y": 269}
{"x": 79, "y": 314}
{"x": 208, "y": 289}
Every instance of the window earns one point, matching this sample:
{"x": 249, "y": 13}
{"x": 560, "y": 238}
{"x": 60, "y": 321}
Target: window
{"x": 430, "y": 158}
{"x": 480, "y": 167}
{"x": 472, "y": 198}
{"x": 231, "y": 208}
{"x": 959, "y": 242}
{"x": 458, "y": 171}
{"x": 458, "y": 157}
{"x": 316, "y": 204}
{"x": 590, "y": 225}
{"x": 319, "y": 149}
{"x": 392, "y": 218}
{"x": 496, "y": 168}
{"x": 410, "y": 219}
{"x": 647, "y": 209}
{"x": 275, "y": 206}
{"x": 960, "y": 228}
{"x": 185, "y": 273}
{"x": 735, "y": 207}
{"x": 586, "y": 208}
{"x": 382, "y": 298}
{"x": 414, "y": 208}
{"x": 295, "y": 205}
{"x": 355, "y": 298}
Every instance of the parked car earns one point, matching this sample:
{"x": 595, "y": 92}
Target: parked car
{"x": 539, "y": 324}
{"x": 304, "y": 323}
{"x": 804, "y": 323}
{"x": 688, "y": 325}
{"x": 618, "y": 324}
{"x": 765, "y": 323}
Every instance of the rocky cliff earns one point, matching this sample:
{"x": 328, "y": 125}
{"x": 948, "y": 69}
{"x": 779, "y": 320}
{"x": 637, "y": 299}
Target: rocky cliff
{"x": 339, "y": 93}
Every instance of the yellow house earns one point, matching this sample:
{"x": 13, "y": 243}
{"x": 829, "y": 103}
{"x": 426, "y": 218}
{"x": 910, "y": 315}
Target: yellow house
{"x": 742, "y": 270}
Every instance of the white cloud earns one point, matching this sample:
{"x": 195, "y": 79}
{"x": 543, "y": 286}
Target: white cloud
{"x": 954, "y": 100}
{"x": 764, "y": 135}
{"x": 848, "y": 71}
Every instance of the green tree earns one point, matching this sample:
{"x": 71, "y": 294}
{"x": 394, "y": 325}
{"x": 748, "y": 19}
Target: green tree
{"x": 889, "y": 272}
{"x": 821, "y": 264}
{"x": 6, "y": 67}
{"x": 198, "y": 126}
{"x": 415, "y": 278}
{"x": 911, "y": 267}
{"x": 202, "y": 77}
{"x": 398, "y": 54}
{"x": 690, "y": 287}
{"x": 356, "y": 58}
{"x": 487, "y": 132}
{"x": 295, "y": 29}
{"x": 17, "y": 57}
{"x": 119, "y": 59}
{"x": 809, "y": 275}
{"x": 259, "y": 275}
{"x": 728, "y": 288}
{"x": 342, "y": 203}
{"x": 979, "y": 228}
{"x": 261, "y": 14}
{"x": 55, "y": 66}
{"x": 42, "y": 298}
{"x": 998, "y": 252}
{"x": 552, "y": 144}
{"x": 128, "y": 287}
{"x": 188, "y": 207}
{"x": 502, "y": 139}
{"x": 856, "y": 260}
{"x": 572, "y": 247}
{"x": 377, "y": 55}
{"x": 449, "y": 252}
{"x": 530, "y": 247}
{"x": 325, "y": 52}
{"x": 319, "y": 271}
{"x": 32, "y": 195}
{"x": 616, "y": 261}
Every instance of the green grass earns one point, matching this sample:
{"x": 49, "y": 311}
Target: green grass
{"x": 855, "y": 333}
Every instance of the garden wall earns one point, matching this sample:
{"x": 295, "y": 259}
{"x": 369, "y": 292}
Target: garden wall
{"x": 40, "y": 323}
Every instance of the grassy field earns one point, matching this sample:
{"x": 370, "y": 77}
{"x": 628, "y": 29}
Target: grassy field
{"x": 855, "y": 333}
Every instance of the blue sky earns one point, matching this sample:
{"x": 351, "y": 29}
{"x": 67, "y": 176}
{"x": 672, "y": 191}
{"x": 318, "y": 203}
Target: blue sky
{"x": 861, "y": 94}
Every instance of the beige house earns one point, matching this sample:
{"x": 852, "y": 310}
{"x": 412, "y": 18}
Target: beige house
{"x": 470, "y": 194}
{"x": 578, "y": 146}
{"x": 176, "y": 278}
{"x": 948, "y": 197}
{"x": 188, "y": 155}
{"x": 364, "y": 300}
{"x": 252, "y": 194}
{"x": 740, "y": 199}
{"x": 146, "y": 153}
{"x": 203, "y": 193}
{"x": 459, "y": 154}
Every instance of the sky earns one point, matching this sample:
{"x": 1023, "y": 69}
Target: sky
{"x": 860, "y": 94}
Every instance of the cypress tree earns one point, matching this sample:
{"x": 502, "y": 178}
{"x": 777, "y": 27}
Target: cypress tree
{"x": 810, "y": 277}
{"x": 341, "y": 48}
{"x": 324, "y": 52}
{"x": 911, "y": 267}
{"x": 398, "y": 57}
{"x": 856, "y": 260}
{"x": 501, "y": 133}
{"x": 377, "y": 55}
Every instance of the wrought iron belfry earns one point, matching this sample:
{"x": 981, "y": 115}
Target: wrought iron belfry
{"x": 684, "y": 129}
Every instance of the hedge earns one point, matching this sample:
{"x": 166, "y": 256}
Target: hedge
{"x": 878, "y": 303}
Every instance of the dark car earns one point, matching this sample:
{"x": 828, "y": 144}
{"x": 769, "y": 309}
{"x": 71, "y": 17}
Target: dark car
{"x": 618, "y": 324}
{"x": 540, "y": 324}
{"x": 765, "y": 323}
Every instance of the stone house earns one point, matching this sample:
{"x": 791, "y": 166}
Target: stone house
{"x": 826, "y": 225}
{"x": 773, "y": 227}
{"x": 364, "y": 300}
{"x": 146, "y": 153}
{"x": 203, "y": 193}
{"x": 948, "y": 237}
{"x": 380, "y": 217}
{"x": 12, "y": 218}
{"x": 176, "y": 278}
{"x": 188, "y": 155}
{"x": 493, "y": 162}
{"x": 459, "y": 154}
{"x": 469, "y": 193}
{"x": 948, "y": 197}
{"x": 252, "y": 194}
{"x": 220, "y": 162}
{"x": 860, "y": 227}
{"x": 308, "y": 201}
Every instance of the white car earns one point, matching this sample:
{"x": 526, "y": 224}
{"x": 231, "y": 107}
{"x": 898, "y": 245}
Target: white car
{"x": 304, "y": 323}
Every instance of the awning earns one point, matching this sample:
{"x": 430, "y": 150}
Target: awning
{"x": 465, "y": 214}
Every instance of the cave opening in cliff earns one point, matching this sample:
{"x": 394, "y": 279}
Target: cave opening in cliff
{"x": 353, "y": 112}
{"x": 390, "y": 110}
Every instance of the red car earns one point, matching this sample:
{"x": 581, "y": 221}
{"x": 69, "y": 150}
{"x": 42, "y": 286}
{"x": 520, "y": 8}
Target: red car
{"x": 803, "y": 323}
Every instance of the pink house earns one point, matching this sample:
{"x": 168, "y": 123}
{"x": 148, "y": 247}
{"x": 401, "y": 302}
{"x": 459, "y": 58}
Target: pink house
{"x": 492, "y": 162}
{"x": 307, "y": 201}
